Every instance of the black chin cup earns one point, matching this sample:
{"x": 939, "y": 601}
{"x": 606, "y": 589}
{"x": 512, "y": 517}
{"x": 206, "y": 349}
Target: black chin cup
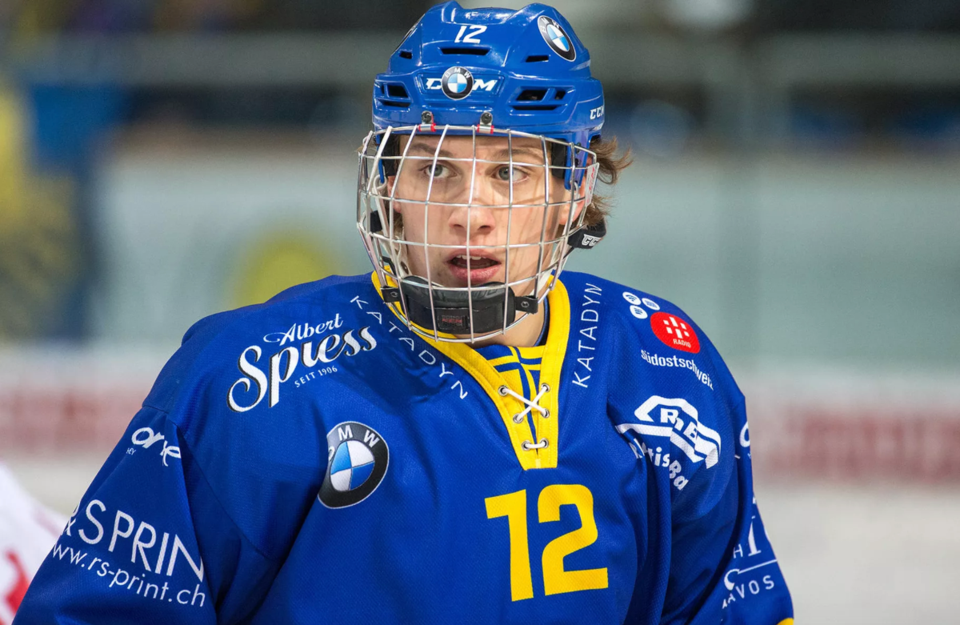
{"x": 450, "y": 313}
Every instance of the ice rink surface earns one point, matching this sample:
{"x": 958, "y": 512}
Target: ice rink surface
{"x": 872, "y": 554}
{"x": 851, "y": 553}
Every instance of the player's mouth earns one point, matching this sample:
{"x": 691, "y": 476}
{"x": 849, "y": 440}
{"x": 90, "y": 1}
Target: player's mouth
{"x": 480, "y": 268}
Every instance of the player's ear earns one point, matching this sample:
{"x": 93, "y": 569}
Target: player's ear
{"x": 566, "y": 215}
{"x": 394, "y": 146}
{"x": 582, "y": 193}
{"x": 387, "y": 193}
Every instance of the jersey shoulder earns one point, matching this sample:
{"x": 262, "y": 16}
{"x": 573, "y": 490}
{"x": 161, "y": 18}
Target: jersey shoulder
{"x": 213, "y": 344}
{"x": 668, "y": 392}
{"x": 655, "y": 330}
{"x": 225, "y": 403}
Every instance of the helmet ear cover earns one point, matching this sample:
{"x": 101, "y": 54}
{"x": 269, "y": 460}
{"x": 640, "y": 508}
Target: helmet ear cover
{"x": 388, "y": 166}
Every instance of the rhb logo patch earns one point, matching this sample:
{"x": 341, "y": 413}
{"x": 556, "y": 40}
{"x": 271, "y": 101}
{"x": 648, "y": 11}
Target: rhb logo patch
{"x": 678, "y": 421}
{"x": 675, "y": 332}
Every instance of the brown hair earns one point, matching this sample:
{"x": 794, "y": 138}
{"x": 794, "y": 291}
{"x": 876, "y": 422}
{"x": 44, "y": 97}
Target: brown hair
{"x": 611, "y": 164}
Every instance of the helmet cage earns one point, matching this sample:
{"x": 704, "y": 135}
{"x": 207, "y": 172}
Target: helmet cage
{"x": 475, "y": 311}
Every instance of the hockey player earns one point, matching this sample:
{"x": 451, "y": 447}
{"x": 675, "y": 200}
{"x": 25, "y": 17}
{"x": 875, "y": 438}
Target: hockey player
{"x": 27, "y": 531}
{"x": 469, "y": 434}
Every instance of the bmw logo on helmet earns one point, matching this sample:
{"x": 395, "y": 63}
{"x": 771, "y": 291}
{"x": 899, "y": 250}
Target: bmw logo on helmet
{"x": 556, "y": 38}
{"x": 457, "y": 83}
{"x": 357, "y": 461}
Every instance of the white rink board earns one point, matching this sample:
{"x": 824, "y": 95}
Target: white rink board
{"x": 797, "y": 257}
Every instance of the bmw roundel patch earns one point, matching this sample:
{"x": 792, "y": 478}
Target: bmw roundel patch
{"x": 457, "y": 83}
{"x": 557, "y": 38}
{"x": 357, "y": 459}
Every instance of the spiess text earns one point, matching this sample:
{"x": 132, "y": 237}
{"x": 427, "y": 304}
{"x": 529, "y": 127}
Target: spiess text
{"x": 284, "y": 363}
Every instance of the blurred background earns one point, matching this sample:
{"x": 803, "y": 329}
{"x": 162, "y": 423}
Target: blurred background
{"x": 796, "y": 189}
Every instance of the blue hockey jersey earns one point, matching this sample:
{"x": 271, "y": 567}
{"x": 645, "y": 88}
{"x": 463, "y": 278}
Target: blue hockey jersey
{"x": 312, "y": 460}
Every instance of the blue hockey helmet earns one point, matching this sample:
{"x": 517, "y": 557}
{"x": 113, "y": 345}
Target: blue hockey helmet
{"x": 521, "y": 70}
{"x": 492, "y": 74}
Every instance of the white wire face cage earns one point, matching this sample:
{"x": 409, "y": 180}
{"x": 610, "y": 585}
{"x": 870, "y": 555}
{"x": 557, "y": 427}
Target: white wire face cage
{"x": 466, "y": 251}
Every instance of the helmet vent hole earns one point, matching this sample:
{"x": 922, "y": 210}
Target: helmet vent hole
{"x": 537, "y": 58}
{"x": 535, "y": 107}
{"x": 531, "y": 95}
{"x": 470, "y": 51}
{"x": 406, "y": 54}
{"x": 560, "y": 93}
{"x": 397, "y": 91}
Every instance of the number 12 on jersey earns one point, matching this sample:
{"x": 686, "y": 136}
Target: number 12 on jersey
{"x": 556, "y": 580}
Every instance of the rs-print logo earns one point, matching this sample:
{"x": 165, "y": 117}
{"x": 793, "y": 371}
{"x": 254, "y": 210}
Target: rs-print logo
{"x": 675, "y": 332}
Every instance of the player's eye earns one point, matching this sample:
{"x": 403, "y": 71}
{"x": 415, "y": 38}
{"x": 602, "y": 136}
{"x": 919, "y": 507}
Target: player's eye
{"x": 438, "y": 171}
{"x": 503, "y": 173}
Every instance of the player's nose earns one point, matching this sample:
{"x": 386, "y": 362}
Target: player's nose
{"x": 473, "y": 220}
{"x": 475, "y": 215}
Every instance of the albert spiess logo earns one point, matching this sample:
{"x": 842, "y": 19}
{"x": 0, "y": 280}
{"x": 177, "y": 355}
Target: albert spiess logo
{"x": 357, "y": 459}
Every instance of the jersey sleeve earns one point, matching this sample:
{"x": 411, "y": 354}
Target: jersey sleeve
{"x": 149, "y": 543}
{"x": 723, "y": 568}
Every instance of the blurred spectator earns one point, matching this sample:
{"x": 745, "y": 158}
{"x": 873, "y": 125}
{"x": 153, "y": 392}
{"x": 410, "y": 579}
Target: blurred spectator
{"x": 116, "y": 16}
{"x": 334, "y": 14}
{"x": 126, "y": 16}
{"x": 38, "y": 235}
{"x": 205, "y": 15}
{"x": 110, "y": 16}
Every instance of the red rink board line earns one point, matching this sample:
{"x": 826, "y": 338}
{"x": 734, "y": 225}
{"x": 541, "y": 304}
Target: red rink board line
{"x": 793, "y": 440}
{"x": 853, "y": 428}
{"x": 811, "y": 442}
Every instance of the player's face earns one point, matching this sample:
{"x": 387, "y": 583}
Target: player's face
{"x": 485, "y": 186}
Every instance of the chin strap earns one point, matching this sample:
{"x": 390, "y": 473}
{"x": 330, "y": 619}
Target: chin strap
{"x": 480, "y": 312}
{"x": 451, "y": 311}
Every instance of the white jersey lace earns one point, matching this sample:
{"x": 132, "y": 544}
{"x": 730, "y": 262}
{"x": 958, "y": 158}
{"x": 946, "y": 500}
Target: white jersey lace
{"x": 530, "y": 406}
